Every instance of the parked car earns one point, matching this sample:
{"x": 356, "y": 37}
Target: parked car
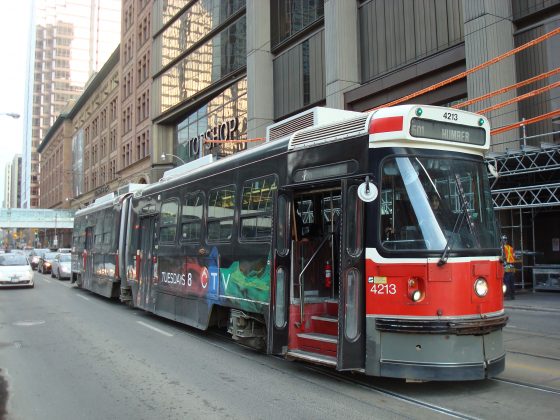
{"x": 36, "y": 255}
{"x": 45, "y": 262}
{"x": 61, "y": 266}
{"x": 15, "y": 271}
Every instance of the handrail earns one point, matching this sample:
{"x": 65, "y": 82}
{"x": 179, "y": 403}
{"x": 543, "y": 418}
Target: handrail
{"x": 301, "y": 285}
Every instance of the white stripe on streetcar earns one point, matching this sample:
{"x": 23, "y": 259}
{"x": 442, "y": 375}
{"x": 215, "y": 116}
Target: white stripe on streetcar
{"x": 155, "y": 329}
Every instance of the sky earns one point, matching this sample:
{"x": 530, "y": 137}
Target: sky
{"x": 14, "y": 44}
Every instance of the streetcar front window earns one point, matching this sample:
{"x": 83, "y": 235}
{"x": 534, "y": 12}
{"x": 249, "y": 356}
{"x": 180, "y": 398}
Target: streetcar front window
{"x": 428, "y": 203}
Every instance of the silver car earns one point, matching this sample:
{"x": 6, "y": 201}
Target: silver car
{"x": 15, "y": 271}
{"x": 61, "y": 266}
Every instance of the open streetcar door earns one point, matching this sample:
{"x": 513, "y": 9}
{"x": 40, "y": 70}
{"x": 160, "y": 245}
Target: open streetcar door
{"x": 351, "y": 313}
{"x": 280, "y": 288}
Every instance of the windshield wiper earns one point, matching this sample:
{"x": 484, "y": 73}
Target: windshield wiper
{"x": 459, "y": 222}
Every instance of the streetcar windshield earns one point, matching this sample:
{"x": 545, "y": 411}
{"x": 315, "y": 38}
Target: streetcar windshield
{"x": 430, "y": 203}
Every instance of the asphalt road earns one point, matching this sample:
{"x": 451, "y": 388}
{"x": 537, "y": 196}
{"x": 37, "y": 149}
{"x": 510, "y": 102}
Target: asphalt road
{"x": 69, "y": 354}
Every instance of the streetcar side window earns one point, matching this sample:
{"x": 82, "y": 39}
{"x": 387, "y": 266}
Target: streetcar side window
{"x": 191, "y": 217}
{"x": 221, "y": 208}
{"x": 98, "y": 232}
{"x": 168, "y": 221}
{"x": 107, "y": 227}
{"x": 256, "y": 208}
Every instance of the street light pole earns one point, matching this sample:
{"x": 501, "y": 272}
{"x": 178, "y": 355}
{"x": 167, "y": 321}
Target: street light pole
{"x": 163, "y": 155}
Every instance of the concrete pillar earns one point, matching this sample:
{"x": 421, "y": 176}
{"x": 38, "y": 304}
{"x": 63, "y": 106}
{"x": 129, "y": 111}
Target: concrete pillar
{"x": 489, "y": 33}
{"x": 260, "y": 99}
{"x": 341, "y": 50}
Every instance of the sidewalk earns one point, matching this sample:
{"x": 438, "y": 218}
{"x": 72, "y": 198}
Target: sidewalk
{"x": 534, "y": 301}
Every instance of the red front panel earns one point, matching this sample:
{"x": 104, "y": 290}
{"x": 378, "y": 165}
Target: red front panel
{"x": 446, "y": 290}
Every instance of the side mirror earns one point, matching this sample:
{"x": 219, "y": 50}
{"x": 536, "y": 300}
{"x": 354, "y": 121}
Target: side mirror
{"x": 367, "y": 191}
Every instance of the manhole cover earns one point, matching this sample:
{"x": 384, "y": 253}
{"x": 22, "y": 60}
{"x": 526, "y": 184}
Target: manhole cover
{"x": 28, "y": 323}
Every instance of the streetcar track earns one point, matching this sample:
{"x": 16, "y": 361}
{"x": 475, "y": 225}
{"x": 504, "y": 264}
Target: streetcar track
{"x": 344, "y": 378}
{"x": 530, "y": 333}
{"x": 538, "y": 356}
{"x": 528, "y": 385}
{"x": 396, "y": 395}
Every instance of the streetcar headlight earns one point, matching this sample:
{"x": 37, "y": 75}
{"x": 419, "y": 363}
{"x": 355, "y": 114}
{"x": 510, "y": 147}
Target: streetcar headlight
{"x": 481, "y": 287}
{"x": 416, "y": 289}
{"x": 504, "y": 288}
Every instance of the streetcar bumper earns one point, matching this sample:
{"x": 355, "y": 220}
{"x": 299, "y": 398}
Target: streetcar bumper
{"x": 432, "y": 355}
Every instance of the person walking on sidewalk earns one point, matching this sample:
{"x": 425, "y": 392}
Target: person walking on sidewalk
{"x": 509, "y": 268}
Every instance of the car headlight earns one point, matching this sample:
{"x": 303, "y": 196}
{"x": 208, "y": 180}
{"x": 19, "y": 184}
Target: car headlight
{"x": 481, "y": 287}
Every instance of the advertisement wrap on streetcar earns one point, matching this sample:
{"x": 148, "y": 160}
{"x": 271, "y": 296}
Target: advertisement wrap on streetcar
{"x": 366, "y": 243}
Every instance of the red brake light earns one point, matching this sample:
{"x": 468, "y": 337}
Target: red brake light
{"x": 385, "y": 125}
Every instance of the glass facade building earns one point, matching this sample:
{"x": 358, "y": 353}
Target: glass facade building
{"x": 201, "y": 57}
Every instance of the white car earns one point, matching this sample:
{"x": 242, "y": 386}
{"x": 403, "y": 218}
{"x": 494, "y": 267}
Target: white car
{"x": 61, "y": 266}
{"x": 15, "y": 271}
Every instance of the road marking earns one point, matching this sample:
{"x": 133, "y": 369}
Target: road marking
{"x": 155, "y": 329}
{"x": 47, "y": 280}
{"x": 83, "y": 297}
{"x": 28, "y": 323}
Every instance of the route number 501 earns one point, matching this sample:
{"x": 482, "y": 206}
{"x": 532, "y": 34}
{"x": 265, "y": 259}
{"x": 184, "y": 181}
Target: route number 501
{"x": 384, "y": 289}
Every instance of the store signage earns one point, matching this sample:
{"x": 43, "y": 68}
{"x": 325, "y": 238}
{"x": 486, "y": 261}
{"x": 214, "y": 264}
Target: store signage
{"x": 102, "y": 190}
{"x": 227, "y": 130}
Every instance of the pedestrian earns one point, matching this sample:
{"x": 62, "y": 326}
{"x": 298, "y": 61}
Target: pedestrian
{"x": 508, "y": 257}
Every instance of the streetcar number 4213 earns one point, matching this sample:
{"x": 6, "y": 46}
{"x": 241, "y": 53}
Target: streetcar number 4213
{"x": 451, "y": 116}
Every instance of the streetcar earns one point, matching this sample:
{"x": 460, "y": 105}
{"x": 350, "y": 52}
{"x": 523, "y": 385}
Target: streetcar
{"x": 367, "y": 243}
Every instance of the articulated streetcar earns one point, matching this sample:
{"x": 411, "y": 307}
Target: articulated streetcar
{"x": 367, "y": 243}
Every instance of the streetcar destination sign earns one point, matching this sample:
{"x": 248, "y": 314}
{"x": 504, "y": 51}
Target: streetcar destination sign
{"x": 447, "y": 131}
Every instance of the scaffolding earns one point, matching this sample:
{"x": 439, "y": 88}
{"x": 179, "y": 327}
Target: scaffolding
{"x": 526, "y": 197}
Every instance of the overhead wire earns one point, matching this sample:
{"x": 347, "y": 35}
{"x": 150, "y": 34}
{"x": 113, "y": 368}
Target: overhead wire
{"x": 464, "y": 74}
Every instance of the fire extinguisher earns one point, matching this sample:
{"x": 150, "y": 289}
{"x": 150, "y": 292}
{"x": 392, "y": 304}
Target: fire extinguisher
{"x": 328, "y": 274}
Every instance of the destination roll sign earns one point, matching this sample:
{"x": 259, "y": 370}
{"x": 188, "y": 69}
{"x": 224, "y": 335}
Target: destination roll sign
{"x": 447, "y": 131}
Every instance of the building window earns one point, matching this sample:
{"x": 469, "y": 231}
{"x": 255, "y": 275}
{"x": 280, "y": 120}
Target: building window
{"x": 289, "y": 17}
{"x": 211, "y": 62}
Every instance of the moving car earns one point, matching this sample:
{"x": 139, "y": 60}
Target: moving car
{"x": 61, "y": 266}
{"x": 45, "y": 262}
{"x": 36, "y": 255}
{"x": 15, "y": 271}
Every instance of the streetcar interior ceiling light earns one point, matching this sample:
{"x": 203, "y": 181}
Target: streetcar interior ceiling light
{"x": 481, "y": 287}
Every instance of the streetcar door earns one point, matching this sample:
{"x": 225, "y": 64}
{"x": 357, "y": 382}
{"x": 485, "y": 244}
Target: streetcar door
{"x": 87, "y": 258}
{"x": 351, "y": 313}
{"x": 280, "y": 278}
{"x": 148, "y": 243}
